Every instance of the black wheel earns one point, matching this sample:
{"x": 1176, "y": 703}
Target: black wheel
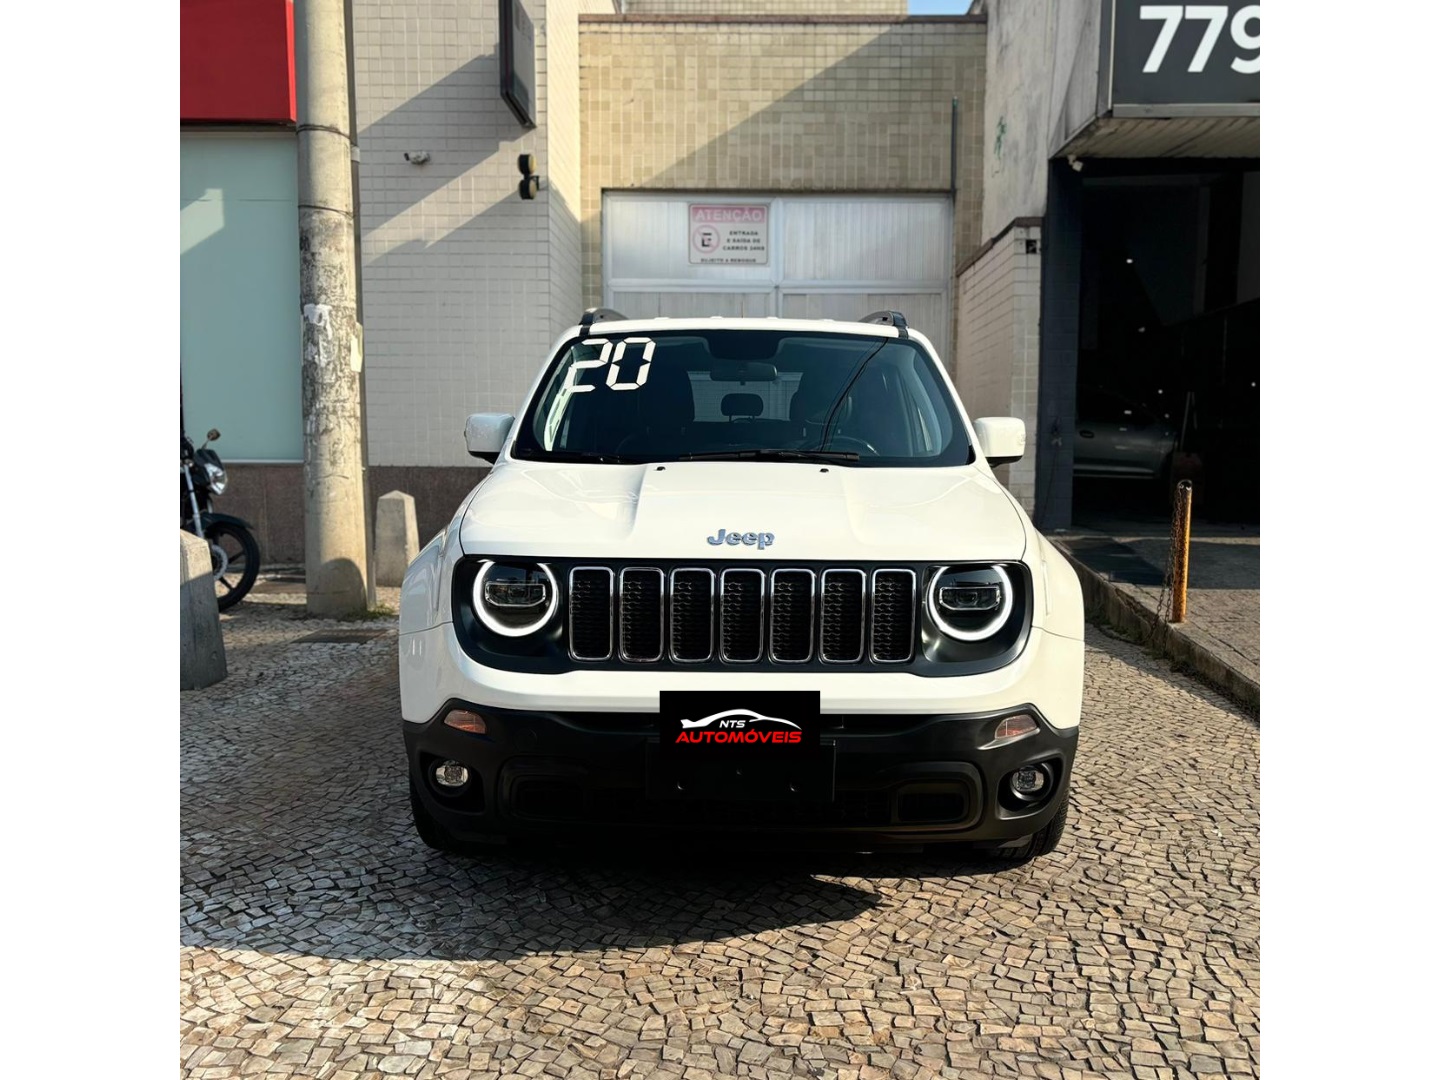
{"x": 1043, "y": 842}
{"x": 235, "y": 560}
{"x": 435, "y": 835}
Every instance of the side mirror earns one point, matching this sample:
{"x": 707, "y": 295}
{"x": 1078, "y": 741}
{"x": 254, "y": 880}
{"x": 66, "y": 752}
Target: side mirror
{"x": 485, "y": 434}
{"x": 212, "y": 434}
{"x": 1002, "y": 438}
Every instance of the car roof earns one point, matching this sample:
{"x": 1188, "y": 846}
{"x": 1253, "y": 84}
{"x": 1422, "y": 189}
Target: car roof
{"x": 725, "y": 322}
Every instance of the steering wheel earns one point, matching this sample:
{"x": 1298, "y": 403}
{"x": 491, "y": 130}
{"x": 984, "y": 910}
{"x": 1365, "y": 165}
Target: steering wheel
{"x": 865, "y": 447}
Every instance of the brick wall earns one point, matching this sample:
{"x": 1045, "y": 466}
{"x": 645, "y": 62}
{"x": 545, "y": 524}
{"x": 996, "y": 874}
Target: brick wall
{"x": 997, "y": 368}
{"x": 756, "y": 106}
{"x": 465, "y": 283}
{"x": 765, "y": 7}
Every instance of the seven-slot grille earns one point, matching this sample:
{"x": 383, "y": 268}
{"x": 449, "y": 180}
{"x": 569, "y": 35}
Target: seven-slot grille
{"x": 742, "y": 615}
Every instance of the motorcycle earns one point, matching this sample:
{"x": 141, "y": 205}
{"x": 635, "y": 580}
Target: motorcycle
{"x": 234, "y": 554}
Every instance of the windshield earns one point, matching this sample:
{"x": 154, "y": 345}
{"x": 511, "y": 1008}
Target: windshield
{"x": 855, "y": 400}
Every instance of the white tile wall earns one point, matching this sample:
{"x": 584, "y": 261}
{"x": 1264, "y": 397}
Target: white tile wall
{"x": 997, "y": 369}
{"x": 465, "y": 284}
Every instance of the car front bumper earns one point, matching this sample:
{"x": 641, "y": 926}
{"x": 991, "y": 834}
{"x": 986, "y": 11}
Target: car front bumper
{"x": 891, "y": 779}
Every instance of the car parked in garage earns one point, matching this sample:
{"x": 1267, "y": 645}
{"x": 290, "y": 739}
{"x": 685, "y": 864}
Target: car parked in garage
{"x": 743, "y": 577}
{"x": 1118, "y": 439}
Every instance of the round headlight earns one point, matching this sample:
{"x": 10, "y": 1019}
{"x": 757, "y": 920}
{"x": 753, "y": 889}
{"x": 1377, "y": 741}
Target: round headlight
{"x": 970, "y": 603}
{"x": 216, "y": 478}
{"x": 514, "y": 599}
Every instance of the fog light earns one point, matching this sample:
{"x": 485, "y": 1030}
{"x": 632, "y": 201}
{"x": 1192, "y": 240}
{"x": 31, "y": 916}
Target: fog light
{"x": 1012, "y": 728}
{"x": 1029, "y": 783}
{"x": 451, "y": 774}
{"x": 465, "y": 720}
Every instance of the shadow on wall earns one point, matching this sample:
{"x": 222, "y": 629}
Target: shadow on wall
{"x": 470, "y": 135}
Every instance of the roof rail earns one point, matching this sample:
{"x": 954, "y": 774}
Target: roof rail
{"x": 598, "y": 314}
{"x": 889, "y": 318}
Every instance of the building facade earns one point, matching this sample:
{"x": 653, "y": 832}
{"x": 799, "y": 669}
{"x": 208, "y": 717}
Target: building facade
{"x": 1121, "y": 176}
{"x": 876, "y": 160}
{"x": 239, "y": 246}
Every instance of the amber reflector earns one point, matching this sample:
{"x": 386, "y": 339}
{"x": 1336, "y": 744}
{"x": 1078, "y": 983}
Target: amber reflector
{"x": 465, "y": 720}
{"x": 1012, "y": 727}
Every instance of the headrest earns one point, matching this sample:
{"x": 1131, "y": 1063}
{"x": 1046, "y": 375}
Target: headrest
{"x": 742, "y": 405}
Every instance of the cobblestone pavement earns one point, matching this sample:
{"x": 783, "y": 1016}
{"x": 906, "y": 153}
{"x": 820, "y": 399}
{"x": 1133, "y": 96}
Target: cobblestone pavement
{"x": 321, "y": 939}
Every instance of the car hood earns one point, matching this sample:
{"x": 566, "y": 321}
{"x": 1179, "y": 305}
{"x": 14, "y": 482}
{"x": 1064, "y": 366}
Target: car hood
{"x": 813, "y": 512}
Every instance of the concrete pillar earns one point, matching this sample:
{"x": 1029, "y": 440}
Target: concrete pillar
{"x": 397, "y": 540}
{"x": 202, "y": 649}
{"x": 336, "y": 560}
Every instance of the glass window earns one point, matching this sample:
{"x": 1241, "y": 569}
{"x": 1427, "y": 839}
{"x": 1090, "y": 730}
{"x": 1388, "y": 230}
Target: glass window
{"x": 673, "y": 395}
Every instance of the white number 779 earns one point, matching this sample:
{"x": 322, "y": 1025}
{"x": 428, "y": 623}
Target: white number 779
{"x": 1214, "y": 14}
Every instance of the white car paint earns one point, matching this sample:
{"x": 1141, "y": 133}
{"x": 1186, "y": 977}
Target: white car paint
{"x": 619, "y": 511}
{"x": 540, "y": 510}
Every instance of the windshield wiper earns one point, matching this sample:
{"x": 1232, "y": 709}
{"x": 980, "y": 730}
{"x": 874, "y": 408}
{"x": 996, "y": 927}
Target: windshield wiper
{"x": 586, "y": 456}
{"x": 773, "y": 455}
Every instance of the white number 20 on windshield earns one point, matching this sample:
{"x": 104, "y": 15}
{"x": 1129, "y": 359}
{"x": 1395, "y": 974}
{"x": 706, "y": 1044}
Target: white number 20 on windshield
{"x": 611, "y": 355}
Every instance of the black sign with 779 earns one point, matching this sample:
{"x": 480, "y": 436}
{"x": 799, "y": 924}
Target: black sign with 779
{"x": 1185, "y": 54}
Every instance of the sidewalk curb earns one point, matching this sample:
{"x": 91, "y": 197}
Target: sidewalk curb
{"x": 1103, "y": 601}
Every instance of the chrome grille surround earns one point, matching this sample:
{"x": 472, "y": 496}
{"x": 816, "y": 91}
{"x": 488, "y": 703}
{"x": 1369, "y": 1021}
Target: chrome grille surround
{"x": 829, "y": 619}
{"x": 633, "y": 623}
{"x": 679, "y": 626}
{"x": 768, "y": 615}
{"x": 879, "y": 603}
{"x": 572, "y": 604}
{"x": 740, "y": 618}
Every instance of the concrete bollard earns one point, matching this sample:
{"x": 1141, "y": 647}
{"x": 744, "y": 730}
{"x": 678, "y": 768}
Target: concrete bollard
{"x": 202, "y": 649}
{"x": 397, "y": 540}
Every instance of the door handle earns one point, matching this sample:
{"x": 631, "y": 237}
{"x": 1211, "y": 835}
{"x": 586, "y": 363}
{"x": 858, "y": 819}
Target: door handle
{"x": 1084, "y": 434}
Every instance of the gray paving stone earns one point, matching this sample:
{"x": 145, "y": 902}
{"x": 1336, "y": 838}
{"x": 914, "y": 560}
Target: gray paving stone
{"x": 320, "y": 938}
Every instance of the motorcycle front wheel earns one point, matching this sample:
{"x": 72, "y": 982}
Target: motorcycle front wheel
{"x": 235, "y": 561}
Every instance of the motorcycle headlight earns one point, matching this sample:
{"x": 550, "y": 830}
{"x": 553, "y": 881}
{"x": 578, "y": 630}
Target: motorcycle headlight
{"x": 514, "y": 599}
{"x": 216, "y": 478}
{"x": 970, "y": 603}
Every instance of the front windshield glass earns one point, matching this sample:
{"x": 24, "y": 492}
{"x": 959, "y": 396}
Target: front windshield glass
{"x": 742, "y": 394}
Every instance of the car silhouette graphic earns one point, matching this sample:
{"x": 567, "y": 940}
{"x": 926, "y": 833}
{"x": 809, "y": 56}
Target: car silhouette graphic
{"x": 750, "y": 716}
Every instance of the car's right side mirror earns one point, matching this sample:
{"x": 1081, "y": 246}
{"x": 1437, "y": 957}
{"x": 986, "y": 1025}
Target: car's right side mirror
{"x": 1002, "y": 438}
{"x": 485, "y": 434}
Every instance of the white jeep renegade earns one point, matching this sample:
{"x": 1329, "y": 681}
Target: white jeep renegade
{"x": 742, "y": 576}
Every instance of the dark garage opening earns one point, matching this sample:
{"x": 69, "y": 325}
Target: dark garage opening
{"x": 1168, "y": 358}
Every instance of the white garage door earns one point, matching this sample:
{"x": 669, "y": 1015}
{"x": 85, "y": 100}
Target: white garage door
{"x": 800, "y": 256}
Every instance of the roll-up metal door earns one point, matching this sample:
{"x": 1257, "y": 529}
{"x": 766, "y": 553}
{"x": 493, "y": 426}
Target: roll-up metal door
{"x": 804, "y": 256}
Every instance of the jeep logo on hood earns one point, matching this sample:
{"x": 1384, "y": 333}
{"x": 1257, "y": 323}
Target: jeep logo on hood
{"x": 755, "y": 540}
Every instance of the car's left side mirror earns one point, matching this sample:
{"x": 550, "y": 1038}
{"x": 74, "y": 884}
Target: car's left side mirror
{"x": 1002, "y": 438}
{"x": 485, "y": 434}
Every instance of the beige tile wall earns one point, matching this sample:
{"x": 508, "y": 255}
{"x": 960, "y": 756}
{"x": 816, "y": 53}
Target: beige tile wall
{"x": 765, "y": 7}
{"x": 997, "y": 364}
{"x": 754, "y": 106}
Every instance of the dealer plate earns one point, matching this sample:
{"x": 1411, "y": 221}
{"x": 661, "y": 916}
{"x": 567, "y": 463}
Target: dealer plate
{"x": 741, "y": 746}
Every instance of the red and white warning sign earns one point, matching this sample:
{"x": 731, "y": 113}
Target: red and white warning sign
{"x": 729, "y": 234}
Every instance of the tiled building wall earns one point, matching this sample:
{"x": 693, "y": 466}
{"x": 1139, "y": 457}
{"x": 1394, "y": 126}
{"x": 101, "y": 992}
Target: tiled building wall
{"x": 998, "y": 356}
{"x": 811, "y": 108}
{"x": 561, "y": 172}
{"x": 457, "y": 268}
{"x": 764, "y": 7}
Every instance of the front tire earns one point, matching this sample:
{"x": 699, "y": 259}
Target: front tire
{"x": 234, "y": 560}
{"x": 435, "y": 836}
{"x": 1043, "y": 842}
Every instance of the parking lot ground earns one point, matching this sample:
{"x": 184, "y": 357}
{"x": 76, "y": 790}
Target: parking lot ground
{"x": 321, "y": 939}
